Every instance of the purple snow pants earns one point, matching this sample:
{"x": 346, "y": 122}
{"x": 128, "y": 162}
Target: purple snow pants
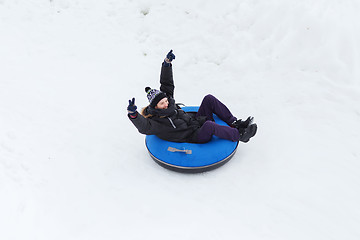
{"x": 210, "y": 105}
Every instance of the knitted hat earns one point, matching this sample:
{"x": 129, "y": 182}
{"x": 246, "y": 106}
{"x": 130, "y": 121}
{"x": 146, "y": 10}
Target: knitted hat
{"x": 154, "y": 96}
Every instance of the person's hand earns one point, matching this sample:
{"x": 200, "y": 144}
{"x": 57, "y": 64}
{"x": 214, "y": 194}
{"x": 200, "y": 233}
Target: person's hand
{"x": 132, "y": 107}
{"x": 169, "y": 57}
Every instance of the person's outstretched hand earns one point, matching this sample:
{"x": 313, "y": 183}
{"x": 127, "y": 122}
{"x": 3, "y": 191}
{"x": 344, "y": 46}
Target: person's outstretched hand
{"x": 169, "y": 57}
{"x": 132, "y": 108}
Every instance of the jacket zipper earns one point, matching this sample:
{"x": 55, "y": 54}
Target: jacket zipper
{"x": 172, "y": 122}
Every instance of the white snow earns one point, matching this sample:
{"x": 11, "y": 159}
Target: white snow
{"x": 72, "y": 166}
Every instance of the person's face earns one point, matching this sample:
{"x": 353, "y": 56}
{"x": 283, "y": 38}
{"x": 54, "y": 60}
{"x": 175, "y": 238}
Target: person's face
{"x": 162, "y": 104}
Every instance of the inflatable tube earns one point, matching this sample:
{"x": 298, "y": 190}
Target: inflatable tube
{"x": 191, "y": 157}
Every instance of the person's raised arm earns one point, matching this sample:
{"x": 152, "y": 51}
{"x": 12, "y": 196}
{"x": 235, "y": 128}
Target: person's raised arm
{"x": 144, "y": 125}
{"x": 166, "y": 77}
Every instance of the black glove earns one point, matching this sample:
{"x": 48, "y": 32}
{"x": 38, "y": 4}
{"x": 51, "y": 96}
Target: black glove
{"x": 169, "y": 57}
{"x": 132, "y": 108}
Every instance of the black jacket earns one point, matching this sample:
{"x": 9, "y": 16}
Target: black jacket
{"x": 172, "y": 124}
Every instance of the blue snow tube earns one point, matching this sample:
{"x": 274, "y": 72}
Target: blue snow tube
{"x": 191, "y": 157}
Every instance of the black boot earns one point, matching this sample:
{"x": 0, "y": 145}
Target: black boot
{"x": 247, "y": 133}
{"x": 242, "y": 124}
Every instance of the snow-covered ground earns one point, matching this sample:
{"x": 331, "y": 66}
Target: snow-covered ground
{"x": 72, "y": 166}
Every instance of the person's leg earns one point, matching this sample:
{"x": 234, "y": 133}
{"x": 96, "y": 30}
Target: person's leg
{"x": 210, "y": 105}
{"x": 210, "y": 128}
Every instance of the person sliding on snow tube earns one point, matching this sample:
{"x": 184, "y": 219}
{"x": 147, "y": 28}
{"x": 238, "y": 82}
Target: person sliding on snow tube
{"x": 165, "y": 119}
